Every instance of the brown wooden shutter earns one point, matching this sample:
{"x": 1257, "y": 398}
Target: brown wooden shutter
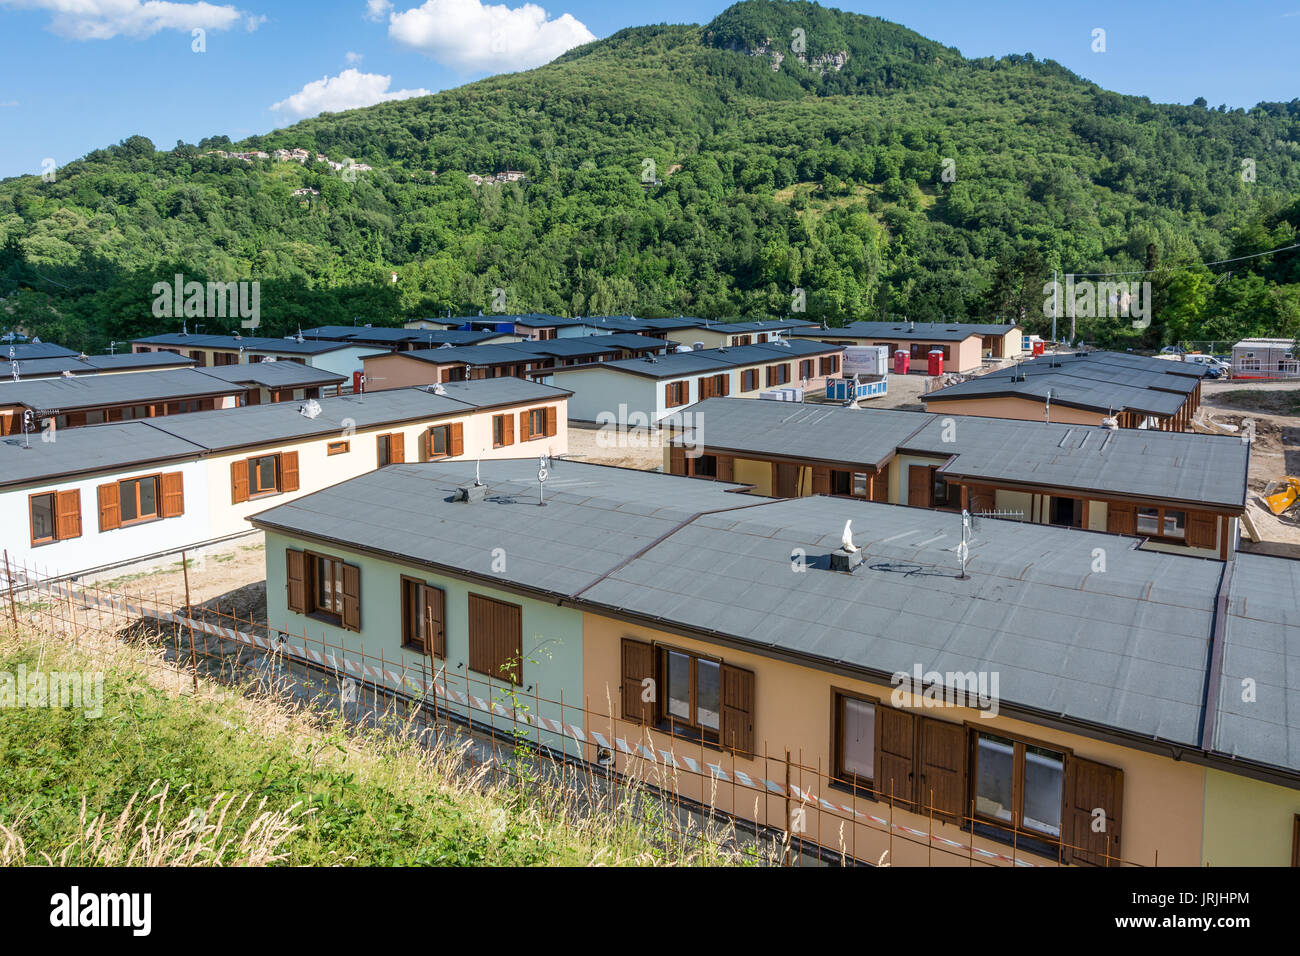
{"x": 1202, "y": 529}
{"x": 726, "y": 468}
{"x": 638, "y": 664}
{"x": 352, "y": 597}
{"x": 1121, "y": 519}
{"x": 238, "y": 481}
{"x": 943, "y": 768}
{"x": 507, "y": 429}
{"x": 295, "y": 577}
{"x": 703, "y": 386}
{"x": 920, "y": 484}
{"x": 725, "y": 384}
{"x": 457, "y": 442}
{"x": 289, "y": 471}
{"x": 552, "y": 421}
{"x": 1092, "y": 786}
{"x": 110, "y": 507}
{"x": 821, "y": 480}
{"x": 880, "y": 485}
{"x": 509, "y": 641}
{"x": 737, "y": 710}
{"x": 895, "y": 747}
{"x": 525, "y": 431}
{"x": 676, "y": 460}
{"x": 396, "y": 448}
{"x": 771, "y": 375}
{"x": 435, "y": 620}
{"x": 173, "y": 494}
{"x": 67, "y": 511}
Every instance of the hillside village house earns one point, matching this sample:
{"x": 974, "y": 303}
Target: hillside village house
{"x": 34, "y": 350}
{"x": 277, "y": 381}
{"x": 675, "y": 631}
{"x": 534, "y": 360}
{"x": 676, "y": 329}
{"x": 113, "y": 493}
{"x": 98, "y": 364}
{"x": 404, "y": 340}
{"x": 341, "y": 358}
{"x": 722, "y": 334}
{"x": 651, "y": 389}
{"x": 89, "y": 399}
{"x": 1180, "y": 492}
{"x": 965, "y": 345}
{"x": 1085, "y": 388}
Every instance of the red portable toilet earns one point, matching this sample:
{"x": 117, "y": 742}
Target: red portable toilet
{"x": 902, "y": 361}
{"x": 358, "y": 381}
{"x": 936, "y": 361}
{"x": 1039, "y": 346}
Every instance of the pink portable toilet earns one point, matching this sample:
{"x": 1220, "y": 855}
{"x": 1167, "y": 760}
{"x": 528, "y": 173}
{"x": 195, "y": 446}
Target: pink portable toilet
{"x": 902, "y": 361}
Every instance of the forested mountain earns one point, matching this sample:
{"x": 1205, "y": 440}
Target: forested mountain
{"x": 795, "y": 147}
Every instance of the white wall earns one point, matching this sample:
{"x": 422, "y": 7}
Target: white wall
{"x": 93, "y": 548}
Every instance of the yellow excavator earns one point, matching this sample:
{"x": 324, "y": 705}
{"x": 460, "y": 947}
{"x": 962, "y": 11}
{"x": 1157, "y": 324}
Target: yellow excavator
{"x": 1281, "y": 493}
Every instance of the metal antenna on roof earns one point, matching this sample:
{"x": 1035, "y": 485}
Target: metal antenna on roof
{"x": 28, "y": 423}
{"x": 963, "y": 549}
{"x": 543, "y": 464}
{"x": 1047, "y": 407}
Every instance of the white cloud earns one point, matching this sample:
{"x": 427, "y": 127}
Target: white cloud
{"x": 349, "y": 90}
{"x": 105, "y": 19}
{"x": 5, "y": 104}
{"x": 472, "y": 36}
{"x": 353, "y": 57}
{"x": 377, "y": 9}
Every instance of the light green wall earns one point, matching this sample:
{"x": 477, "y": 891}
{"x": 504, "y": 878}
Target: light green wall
{"x": 1247, "y": 822}
{"x": 552, "y": 636}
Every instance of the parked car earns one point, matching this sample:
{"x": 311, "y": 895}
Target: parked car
{"x": 1172, "y": 350}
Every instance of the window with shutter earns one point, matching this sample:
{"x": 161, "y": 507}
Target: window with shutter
{"x": 895, "y": 754}
{"x": 44, "y": 520}
{"x": 289, "y": 471}
{"x": 68, "y": 514}
{"x": 435, "y": 619}
{"x": 853, "y": 741}
{"x": 495, "y": 638}
{"x": 423, "y": 617}
{"x": 110, "y": 508}
{"x": 173, "y": 494}
{"x": 552, "y": 421}
{"x": 351, "y": 598}
{"x": 943, "y": 769}
{"x": 525, "y": 432}
{"x": 1093, "y": 806}
{"x": 638, "y": 697}
{"x": 238, "y": 481}
{"x": 738, "y": 710}
{"x": 457, "y": 439}
{"x": 296, "y": 580}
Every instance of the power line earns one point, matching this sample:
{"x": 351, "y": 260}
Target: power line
{"x": 1217, "y": 262}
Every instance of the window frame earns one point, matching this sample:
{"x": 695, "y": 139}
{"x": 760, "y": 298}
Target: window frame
{"x": 1014, "y": 831}
{"x": 445, "y": 430}
{"x": 256, "y": 491}
{"x": 1160, "y": 534}
{"x": 54, "y": 517}
{"x": 413, "y": 616}
{"x": 839, "y": 778}
{"x": 340, "y": 447}
{"x": 312, "y": 561}
{"x": 534, "y": 416}
{"x": 157, "y": 500}
{"x": 676, "y": 726}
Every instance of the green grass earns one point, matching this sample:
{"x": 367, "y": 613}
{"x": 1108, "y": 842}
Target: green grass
{"x": 339, "y": 795}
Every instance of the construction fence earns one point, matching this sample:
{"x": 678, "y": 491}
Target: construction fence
{"x": 789, "y": 813}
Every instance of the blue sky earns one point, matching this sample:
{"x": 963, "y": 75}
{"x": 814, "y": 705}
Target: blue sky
{"x": 71, "y": 82}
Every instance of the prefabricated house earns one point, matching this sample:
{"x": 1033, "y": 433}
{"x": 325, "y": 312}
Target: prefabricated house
{"x": 1265, "y": 358}
{"x": 110, "y": 494}
{"x": 713, "y": 335}
{"x": 1179, "y": 492}
{"x": 965, "y": 345}
{"x": 734, "y": 652}
{"x": 650, "y": 389}
{"x": 341, "y": 358}
{"x": 403, "y": 340}
{"x": 1085, "y": 388}
{"x": 98, "y": 364}
{"x": 273, "y": 381}
{"x": 676, "y": 329}
{"x": 35, "y": 350}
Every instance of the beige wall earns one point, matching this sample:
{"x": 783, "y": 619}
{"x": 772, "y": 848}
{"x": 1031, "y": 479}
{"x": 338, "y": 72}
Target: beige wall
{"x": 399, "y": 371}
{"x": 1162, "y": 797}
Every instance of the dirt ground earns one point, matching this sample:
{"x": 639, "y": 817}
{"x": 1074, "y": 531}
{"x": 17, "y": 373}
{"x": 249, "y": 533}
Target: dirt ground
{"x": 1275, "y": 452}
{"x": 229, "y": 577}
{"x": 637, "y": 449}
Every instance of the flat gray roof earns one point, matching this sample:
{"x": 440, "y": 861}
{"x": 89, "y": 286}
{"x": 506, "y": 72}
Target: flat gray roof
{"x": 33, "y": 350}
{"x": 249, "y": 343}
{"x": 702, "y": 361}
{"x": 1125, "y": 649}
{"x": 114, "y": 445}
{"x": 274, "y": 374}
{"x": 500, "y": 353}
{"x": 907, "y": 332}
{"x": 88, "y": 391}
{"x": 93, "y": 364}
{"x": 1261, "y": 650}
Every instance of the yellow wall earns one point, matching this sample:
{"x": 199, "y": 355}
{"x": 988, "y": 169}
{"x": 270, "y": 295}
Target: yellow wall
{"x": 1020, "y": 408}
{"x": 1247, "y": 822}
{"x": 1162, "y": 797}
